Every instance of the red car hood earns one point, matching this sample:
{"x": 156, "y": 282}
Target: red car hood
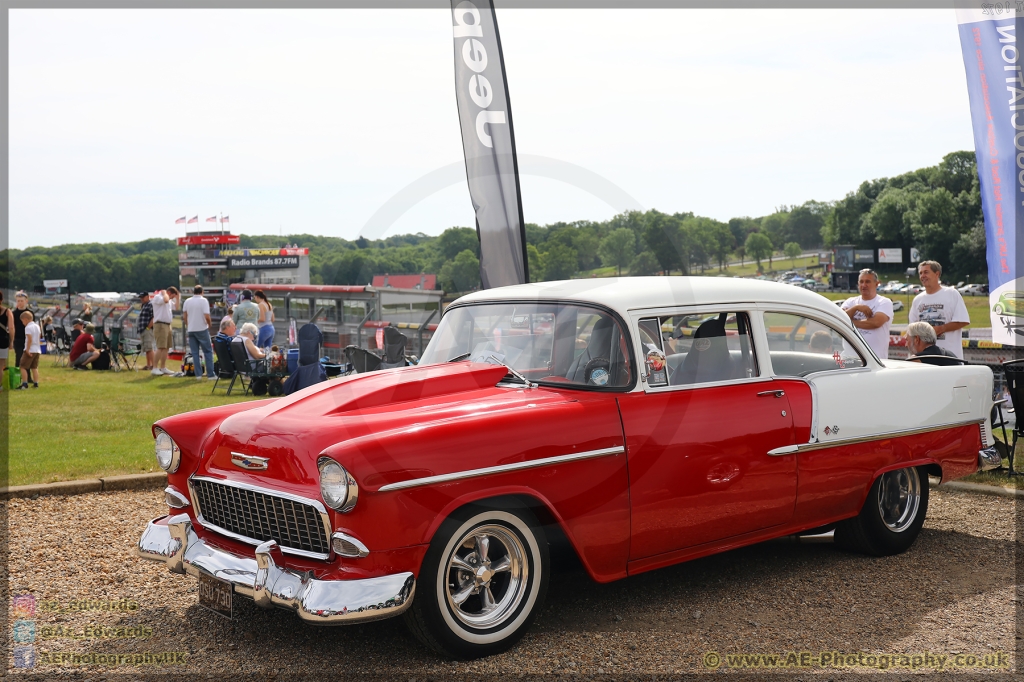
{"x": 292, "y": 431}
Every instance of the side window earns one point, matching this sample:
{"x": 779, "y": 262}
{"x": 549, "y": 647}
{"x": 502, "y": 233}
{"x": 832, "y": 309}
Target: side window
{"x": 681, "y": 350}
{"x": 800, "y": 345}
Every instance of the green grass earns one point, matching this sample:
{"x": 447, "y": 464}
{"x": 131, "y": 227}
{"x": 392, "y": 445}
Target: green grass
{"x": 89, "y": 424}
{"x": 977, "y": 307}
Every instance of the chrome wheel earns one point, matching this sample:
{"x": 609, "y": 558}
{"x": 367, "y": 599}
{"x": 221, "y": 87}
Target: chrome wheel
{"x": 486, "y": 576}
{"x": 899, "y": 496}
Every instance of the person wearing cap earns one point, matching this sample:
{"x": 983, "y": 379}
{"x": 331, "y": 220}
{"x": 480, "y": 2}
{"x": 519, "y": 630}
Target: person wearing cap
{"x": 82, "y": 350}
{"x": 144, "y": 328}
{"x": 77, "y": 325}
{"x": 246, "y": 311}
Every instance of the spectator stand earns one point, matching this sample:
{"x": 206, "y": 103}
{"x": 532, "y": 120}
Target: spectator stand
{"x": 351, "y": 315}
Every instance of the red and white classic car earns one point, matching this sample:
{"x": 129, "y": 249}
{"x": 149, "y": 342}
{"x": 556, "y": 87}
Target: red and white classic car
{"x": 647, "y": 420}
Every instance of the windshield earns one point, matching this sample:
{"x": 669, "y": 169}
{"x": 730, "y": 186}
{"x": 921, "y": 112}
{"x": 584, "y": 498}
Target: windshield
{"x": 548, "y": 343}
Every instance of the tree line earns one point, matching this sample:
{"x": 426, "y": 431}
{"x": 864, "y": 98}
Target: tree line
{"x": 935, "y": 209}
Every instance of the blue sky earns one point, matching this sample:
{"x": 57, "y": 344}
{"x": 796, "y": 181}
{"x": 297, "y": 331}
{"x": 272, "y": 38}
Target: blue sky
{"x": 310, "y": 120}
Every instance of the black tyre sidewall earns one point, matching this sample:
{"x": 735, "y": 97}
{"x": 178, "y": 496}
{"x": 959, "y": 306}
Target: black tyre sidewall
{"x": 883, "y": 540}
{"x": 454, "y": 637}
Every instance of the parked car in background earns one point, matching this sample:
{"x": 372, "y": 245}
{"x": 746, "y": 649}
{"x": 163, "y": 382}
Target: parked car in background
{"x": 973, "y": 290}
{"x": 891, "y": 286}
{"x": 1010, "y": 303}
{"x": 646, "y": 420}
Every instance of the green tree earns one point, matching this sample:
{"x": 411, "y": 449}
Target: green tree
{"x": 792, "y": 249}
{"x": 759, "y": 246}
{"x": 462, "y": 273}
{"x": 664, "y": 238}
{"x": 559, "y": 262}
{"x": 618, "y": 248}
{"x": 455, "y": 240}
{"x": 536, "y": 263}
{"x": 645, "y": 263}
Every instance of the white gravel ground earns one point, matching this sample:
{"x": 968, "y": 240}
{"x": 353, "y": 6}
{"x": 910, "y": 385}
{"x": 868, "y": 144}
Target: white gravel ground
{"x": 951, "y": 594}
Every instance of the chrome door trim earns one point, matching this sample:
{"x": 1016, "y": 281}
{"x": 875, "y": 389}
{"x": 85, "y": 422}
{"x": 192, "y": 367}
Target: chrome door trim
{"x": 316, "y": 504}
{"x": 808, "y": 447}
{"x": 502, "y": 468}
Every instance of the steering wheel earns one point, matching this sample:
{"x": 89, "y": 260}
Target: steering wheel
{"x": 596, "y": 372}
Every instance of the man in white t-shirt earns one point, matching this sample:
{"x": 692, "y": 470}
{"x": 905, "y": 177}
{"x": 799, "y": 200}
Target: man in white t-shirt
{"x": 164, "y": 303}
{"x": 870, "y": 313}
{"x": 941, "y": 307}
{"x": 196, "y": 314}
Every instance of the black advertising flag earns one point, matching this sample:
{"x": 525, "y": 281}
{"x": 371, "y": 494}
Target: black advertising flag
{"x": 487, "y": 139}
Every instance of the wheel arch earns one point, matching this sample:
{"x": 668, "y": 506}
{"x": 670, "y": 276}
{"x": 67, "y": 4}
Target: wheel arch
{"x": 524, "y": 498}
{"x": 930, "y": 465}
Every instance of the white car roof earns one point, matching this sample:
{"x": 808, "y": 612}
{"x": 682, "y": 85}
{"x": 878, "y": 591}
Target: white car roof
{"x": 624, "y": 294}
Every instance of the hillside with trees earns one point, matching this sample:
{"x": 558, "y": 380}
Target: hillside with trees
{"x": 935, "y": 209}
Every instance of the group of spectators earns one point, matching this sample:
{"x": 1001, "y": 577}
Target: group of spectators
{"x": 21, "y": 337}
{"x": 936, "y": 316}
{"x": 250, "y": 323}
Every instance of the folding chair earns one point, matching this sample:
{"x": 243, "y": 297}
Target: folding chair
{"x": 362, "y": 360}
{"x": 311, "y": 340}
{"x": 226, "y": 364}
{"x": 61, "y": 347}
{"x": 1013, "y": 372}
{"x": 394, "y": 349}
{"x": 119, "y": 351}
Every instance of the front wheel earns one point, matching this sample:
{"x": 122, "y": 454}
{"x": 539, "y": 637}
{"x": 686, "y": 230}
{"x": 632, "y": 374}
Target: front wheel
{"x": 998, "y": 309}
{"x": 483, "y": 580}
{"x": 892, "y": 516}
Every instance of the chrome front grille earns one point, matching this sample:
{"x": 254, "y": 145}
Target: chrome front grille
{"x": 254, "y": 515}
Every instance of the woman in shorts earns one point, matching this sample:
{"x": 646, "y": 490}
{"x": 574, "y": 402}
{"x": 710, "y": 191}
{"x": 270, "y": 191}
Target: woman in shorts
{"x": 266, "y": 321}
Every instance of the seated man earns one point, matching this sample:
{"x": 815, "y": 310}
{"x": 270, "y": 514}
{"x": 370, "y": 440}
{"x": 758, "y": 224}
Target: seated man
{"x": 227, "y": 330}
{"x": 821, "y": 342}
{"x": 82, "y": 351}
{"x": 921, "y": 340}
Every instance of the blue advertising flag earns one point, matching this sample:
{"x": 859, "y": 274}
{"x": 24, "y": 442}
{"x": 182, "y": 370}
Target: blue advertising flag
{"x": 995, "y": 83}
{"x": 487, "y": 139}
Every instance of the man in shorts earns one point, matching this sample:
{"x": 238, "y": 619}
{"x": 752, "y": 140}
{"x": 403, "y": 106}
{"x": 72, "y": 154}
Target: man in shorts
{"x": 164, "y": 304}
{"x": 29, "y": 362}
{"x": 144, "y": 328}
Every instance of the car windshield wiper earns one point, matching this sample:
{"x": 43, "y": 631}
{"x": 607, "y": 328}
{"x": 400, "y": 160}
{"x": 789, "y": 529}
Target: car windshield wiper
{"x": 516, "y": 375}
{"x": 460, "y": 357}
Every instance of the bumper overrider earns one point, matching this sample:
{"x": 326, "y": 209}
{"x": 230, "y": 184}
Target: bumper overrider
{"x": 324, "y": 602}
{"x": 989, "y": 459}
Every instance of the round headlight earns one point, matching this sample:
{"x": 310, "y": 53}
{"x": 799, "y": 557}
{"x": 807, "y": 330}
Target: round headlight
{"x": 168, "y": 456}
{"x": 337, "y": 486}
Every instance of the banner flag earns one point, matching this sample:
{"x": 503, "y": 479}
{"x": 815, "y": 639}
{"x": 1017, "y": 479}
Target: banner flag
{"x": 489, "y": 144}
{"x": 995, "y": 83}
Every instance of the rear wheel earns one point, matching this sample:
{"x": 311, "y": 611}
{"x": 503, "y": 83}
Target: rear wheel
{"x": 483, "y": 580}
{"x": 892, "y": 516}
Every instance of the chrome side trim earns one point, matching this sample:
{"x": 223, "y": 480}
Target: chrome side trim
{"x": 319, "y": 506}
{"x": 529, "y": 464}
{"x": 808, "y": 447}
{"x": 268, "y": 583}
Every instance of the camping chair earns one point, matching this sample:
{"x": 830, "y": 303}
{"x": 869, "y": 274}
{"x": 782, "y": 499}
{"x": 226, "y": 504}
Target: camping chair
{"x": 1013, "y": 372}
{"x": 225, "y": 365}
{"x": 394, "y": 349}
{"x": 311, "y": 340}
{"x": 61, "y": 347}
{"x": 120, "y": 351}
{"x": 243, "y": 368}
{"x": 362, "y": 360}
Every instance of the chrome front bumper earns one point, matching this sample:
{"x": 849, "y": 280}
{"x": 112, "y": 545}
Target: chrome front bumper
{"x": 989, "y": 459}
{"x": 324, "y": 602}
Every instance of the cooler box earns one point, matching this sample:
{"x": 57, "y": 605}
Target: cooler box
{"x": 293, "y": 360}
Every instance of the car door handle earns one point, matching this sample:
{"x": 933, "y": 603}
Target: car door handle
{"x": 778, "y": 393}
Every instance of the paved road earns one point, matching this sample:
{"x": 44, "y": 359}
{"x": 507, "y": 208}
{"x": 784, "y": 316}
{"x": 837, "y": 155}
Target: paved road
{"x": 951, "y": 594}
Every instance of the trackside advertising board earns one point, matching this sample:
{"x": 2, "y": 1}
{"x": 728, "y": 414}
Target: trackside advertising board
{"x": 989, "y": 37}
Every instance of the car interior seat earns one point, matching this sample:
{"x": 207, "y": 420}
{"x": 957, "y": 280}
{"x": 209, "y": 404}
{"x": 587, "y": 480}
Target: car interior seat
{"x": 598, "y": 349}
{"x": 708, "y": 358}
